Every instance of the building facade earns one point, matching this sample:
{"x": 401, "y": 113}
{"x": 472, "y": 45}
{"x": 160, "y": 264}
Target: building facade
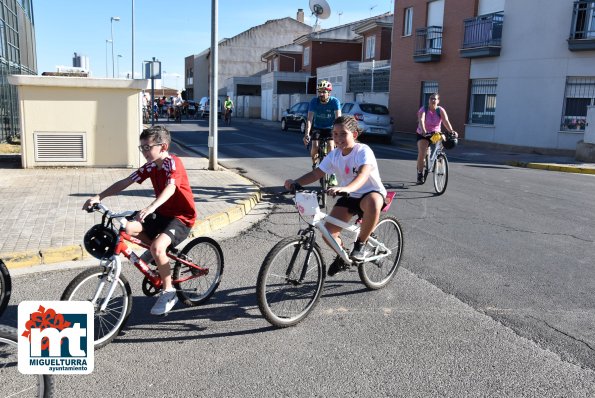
{"x": 17, "y": 56}
{"x": 240, "y": 56}
{"x": 506, "y": 74}
{"x": 425, "y": 58}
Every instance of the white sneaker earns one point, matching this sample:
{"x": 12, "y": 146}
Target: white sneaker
{"x": 166, "y": 301}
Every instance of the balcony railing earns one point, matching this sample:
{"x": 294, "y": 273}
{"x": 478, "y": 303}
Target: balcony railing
{"x": 483, "y": 36}
{"x": 428, "y": 44}
{"x": 582, "y": 28}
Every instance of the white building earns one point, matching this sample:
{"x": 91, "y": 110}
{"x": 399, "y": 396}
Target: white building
{"x": 540, "y": 84}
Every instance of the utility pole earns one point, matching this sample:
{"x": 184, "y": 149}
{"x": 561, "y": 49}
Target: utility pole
{"x": 213, "y": 112}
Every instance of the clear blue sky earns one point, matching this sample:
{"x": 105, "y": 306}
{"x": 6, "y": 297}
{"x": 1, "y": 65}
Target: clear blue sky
{"x": 168, "y": 31}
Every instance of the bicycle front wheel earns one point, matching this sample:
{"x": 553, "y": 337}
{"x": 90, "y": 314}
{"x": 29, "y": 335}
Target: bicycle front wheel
{"x": 290, "y": 281}
{"x": 376, "y": 274}
{"x": 192, "y": 288}
{"x": 14, "y": 383}
{"x": 440, "y": 174}
{"x": 96, "y": 282}
{"x": 5, "y": 287}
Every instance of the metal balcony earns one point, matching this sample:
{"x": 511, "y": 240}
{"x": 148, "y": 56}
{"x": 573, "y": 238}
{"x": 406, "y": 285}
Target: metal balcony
{"x": 428, "y": 44}
{"x": 582, "y": 28}
{"x": 482, "y": 36}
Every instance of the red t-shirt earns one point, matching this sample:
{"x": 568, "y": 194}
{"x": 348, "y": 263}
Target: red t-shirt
{"x": 172, "y": 171}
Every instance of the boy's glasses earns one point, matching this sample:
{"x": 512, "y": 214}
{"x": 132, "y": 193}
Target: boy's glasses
{"x": 147, "y": 147}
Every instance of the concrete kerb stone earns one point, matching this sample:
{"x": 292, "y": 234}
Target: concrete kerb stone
{"x": 77, "y": 252}
{"x": 552, "y": 167}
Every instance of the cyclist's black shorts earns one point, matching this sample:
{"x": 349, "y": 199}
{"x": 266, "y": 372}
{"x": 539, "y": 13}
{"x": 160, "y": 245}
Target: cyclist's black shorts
{"x": 422, "y": 137}
{"x": 352, "y": 204}
{"x": 317, "y": 134}
{"x": 172, "y": 227}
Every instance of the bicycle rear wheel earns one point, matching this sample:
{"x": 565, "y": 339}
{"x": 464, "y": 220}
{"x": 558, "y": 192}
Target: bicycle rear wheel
{"x": 5, "y": 287}
{"x": 14, "y": 383}
{"x": 97, "y": 281}
{"x": 290, "y": 282}
{"x": 193, "y": 289}
{"x": 376, "y": 274}
{"x": 440, "y": 174}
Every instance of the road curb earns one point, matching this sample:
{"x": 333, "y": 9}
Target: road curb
{"x": 202, "y": 227}
{"x": 552, "y": 167}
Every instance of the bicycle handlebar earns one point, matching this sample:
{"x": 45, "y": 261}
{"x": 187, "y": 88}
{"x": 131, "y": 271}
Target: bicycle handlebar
{"x": 297, "y": 187}
{"x": 101, "y": 208}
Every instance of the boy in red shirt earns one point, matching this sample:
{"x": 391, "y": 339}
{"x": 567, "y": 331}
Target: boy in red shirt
{"x": 173, "y": 206}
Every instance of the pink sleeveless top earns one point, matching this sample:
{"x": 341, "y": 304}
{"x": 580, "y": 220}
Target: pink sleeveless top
{"x": 432, "y": 121}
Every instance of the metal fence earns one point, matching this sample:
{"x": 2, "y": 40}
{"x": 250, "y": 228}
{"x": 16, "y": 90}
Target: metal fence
{"x": 9, "y": 109}
{"x": 428, "y": 40}
{"x": 579, "y": 94}
{"x": 483, "y": 31}
{"x": 368, "y": 77}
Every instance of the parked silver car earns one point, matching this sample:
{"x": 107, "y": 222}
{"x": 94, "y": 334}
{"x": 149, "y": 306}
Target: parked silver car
{"x": 374, "y": 119}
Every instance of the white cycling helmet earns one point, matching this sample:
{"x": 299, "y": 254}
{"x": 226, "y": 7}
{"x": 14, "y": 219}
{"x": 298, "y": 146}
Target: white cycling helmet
{"x": 324, "y": 85}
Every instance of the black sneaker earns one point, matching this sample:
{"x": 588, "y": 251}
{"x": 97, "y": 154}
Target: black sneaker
{"x": 359, "y": 252}
{"x": 420, "y": 178}
{"x": 337, "y": 265}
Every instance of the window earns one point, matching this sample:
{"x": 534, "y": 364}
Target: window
{"x": 580, "y": 93}
{"x": 306, "y": 56}
{"x": 276, "y": 65}
{"x": 483, "y": 101}
{"x": 584, "y": 19}
{"x": 408, "y": 22}
{"x": 428, "y": 88}
{"x": 370, "y": 46}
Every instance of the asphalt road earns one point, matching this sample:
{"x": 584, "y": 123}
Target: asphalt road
{"x": 513, "y": 243}
{"x": 494, "y": 297}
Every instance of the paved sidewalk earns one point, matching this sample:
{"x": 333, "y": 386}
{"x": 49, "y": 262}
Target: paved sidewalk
{"x": 40, "y": 209}
{"x": 487, "y": 153}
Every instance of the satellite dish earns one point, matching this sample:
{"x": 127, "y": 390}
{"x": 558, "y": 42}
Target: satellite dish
{"x": 320, "y": 8}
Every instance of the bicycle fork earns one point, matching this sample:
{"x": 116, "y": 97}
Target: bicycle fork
{"x": 308, "y": 235}
{"x": 114, "y": 269}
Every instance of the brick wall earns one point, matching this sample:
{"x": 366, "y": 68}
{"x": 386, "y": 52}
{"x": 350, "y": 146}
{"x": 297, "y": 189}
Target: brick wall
{"x": 451, "y": 71}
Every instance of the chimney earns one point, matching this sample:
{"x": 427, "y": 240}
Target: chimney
{"x": 300, "y": 15}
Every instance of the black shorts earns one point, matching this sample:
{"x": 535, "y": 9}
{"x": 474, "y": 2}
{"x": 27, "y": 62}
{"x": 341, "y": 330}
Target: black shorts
{"x": 317, "y": 134}
{"x": 352, "y": 204}
{"x": 172, "y": 227}
{"x": 421, "y": 137}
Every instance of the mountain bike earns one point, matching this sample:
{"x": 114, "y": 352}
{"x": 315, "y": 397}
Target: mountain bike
{"x": 197, "y": 271}
{"x": 292, "y": 275}
{"x": 5, "y": 286}
{"x": 437, "y": 163}
{"x": 12, "y": 382}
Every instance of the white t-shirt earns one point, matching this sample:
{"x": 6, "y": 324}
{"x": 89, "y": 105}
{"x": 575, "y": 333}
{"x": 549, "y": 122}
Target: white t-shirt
{"x": 346, "y": 168}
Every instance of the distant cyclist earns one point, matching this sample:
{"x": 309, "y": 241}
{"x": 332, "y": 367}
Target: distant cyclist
{"x": 228, "y": 106}
{"x": 322, "y": 112}
{"x": 430, "y": 119}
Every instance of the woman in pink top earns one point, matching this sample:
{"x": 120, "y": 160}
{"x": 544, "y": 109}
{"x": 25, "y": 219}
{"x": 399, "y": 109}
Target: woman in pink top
{"x": 430, "y": 118}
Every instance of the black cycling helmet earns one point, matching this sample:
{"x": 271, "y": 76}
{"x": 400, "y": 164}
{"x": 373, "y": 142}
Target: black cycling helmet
{"x": 450, "y": 142}
{"x": 100, "y": 241}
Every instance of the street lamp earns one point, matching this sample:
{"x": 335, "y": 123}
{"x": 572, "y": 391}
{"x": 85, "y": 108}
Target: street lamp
{"x": 118, "y": 64}
{"x": 106, "y": 42}
{"x": 112, "y": 19}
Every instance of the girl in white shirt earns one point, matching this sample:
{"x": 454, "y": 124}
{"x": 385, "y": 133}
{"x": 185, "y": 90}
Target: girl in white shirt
{"x": 357, "y": 173}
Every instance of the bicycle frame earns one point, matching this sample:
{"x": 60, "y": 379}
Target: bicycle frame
{"x": 114, "y": 263}
{"x": 435, "y": 150}
{"x": 353, "y": 229}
